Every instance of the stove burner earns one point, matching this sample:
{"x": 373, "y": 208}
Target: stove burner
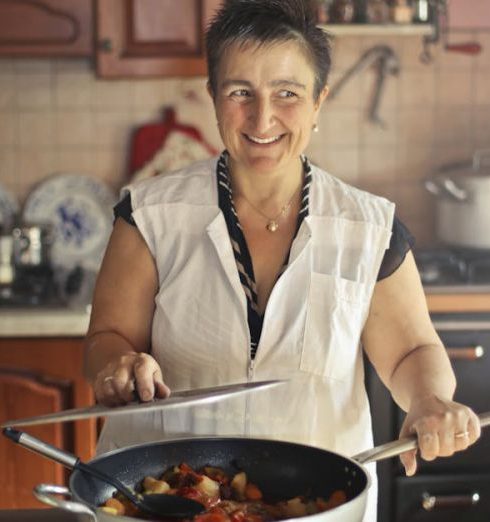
{"x": 453, "y": 266}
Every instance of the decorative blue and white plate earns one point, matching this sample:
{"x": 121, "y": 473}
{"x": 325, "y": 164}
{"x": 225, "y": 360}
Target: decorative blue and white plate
{"x": 80, "y": 209}
{"x": 9, "y": 208}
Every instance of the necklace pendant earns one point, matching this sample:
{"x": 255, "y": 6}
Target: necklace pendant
{"x": 272, "y": 226}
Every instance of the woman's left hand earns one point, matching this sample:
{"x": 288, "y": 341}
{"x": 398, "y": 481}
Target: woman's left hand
{"x": 442, "y": 427}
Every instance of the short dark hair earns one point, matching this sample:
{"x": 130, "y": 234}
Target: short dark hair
{"x": 265, "y": 22}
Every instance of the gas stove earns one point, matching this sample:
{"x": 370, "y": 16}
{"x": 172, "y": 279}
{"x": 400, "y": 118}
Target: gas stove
{"x": 454, "y": 267}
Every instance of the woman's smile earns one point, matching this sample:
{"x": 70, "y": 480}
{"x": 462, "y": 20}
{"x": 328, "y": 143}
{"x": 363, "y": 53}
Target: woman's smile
{"x": 265, "y": 105}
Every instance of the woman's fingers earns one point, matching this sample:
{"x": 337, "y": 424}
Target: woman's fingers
{"x": 118, "y": 382}
{"x": 442, "y": 429}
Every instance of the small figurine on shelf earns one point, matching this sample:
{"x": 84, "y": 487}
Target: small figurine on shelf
{"x": 323, "y": 11}
{"x": 401, "y": 11}
{"x": 342, "y": 12}
{"x": 377, "y": 12}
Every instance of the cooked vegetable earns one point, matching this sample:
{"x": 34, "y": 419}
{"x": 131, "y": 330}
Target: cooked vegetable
{"x": 226, "y": 499}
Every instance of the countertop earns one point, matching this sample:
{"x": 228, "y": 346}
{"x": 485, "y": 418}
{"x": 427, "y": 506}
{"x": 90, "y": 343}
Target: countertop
{"x": 40, "y": 515}
{"x": 73, "y": 322}
{"x": 44, "y": 322}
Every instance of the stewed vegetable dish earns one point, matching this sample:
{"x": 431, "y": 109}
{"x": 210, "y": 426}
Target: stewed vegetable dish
{"x": 225, "y": 498}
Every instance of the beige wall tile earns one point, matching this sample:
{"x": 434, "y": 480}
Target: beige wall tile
{"x": 341, "y": 162}
{"x": 481, "y": 122}
{"x": 34, "y": 91}
{"x": 482, "y": 87}
{"x": 377, "y": 164}
{"x": 155, "y": 93}
{"x": 74, "y": 90}
{"x": 345, "y": 52}
{"x": 483, "y": 59}
{"x": 111, "y": 166}
{"x": 384, "y": 134}
{"x": 454, "y": 87}
{"x": 8, "y": 128}
{"x": 8, "y": 91}
{"x": 338, "y": 127}
{"x": 74, "y": 128}
{"x": 347, "y": 95}
{"x": 415, "y": 161}
{"x": 112, "y": 129}
{"x": 34, "y": 166}
{"x": 453, "y": 126}
{"x": 36, "y": 129}
{"x": 115, "y": 94}
{"x": 7, "y": 65}
{"x": 417, "y": 88}
{"x": 75, "y": 160}
{"x": 73, "y": 66}
{"x": 411, "y": 49}
{"x": 35, "y": 65}
{"x": 416, "y": 126}
{"x": 8, "y": 169}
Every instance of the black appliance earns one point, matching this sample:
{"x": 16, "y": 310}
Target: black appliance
{"x": 457, "y": 488}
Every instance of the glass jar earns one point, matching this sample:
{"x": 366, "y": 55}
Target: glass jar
{"x": 401, "y": 12}
{"x": 421, "y": 12}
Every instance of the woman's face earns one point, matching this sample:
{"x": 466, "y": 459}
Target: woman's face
{"x": 265, "y": 105}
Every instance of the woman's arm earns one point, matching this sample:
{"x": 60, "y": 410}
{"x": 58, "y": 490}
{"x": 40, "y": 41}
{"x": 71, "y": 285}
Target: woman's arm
{"x": 412, "y": 362}
{"x": 118, "y": 339}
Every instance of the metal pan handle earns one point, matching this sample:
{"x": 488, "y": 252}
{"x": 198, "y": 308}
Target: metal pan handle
{"x": 45, "y": 493}
{"x": 397, "y": 447}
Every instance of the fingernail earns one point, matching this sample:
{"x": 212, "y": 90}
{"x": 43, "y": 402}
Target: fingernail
{"x": 146, "y": 395}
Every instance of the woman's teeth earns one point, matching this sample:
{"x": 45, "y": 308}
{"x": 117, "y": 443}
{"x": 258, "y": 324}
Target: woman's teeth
{"x": 263, "y": 141}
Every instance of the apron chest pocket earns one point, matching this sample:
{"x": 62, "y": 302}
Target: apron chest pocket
{"x": 337, "y": 310}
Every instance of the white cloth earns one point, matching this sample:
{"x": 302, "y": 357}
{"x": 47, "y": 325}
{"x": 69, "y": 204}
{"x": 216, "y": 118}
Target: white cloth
{"x": 312, "y": 324}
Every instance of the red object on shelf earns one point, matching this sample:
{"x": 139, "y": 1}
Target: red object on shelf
{"x": 149, "y": 139}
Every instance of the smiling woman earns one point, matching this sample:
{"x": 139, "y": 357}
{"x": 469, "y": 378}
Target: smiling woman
{"x": 259, "y": 265}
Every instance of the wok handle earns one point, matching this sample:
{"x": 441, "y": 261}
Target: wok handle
{"x": 397, "y": 447}
{"x": 45, "y": 493}
{"x": 42, "y": 448}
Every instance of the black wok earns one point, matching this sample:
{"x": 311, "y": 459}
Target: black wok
{"x": 282, "y": 470}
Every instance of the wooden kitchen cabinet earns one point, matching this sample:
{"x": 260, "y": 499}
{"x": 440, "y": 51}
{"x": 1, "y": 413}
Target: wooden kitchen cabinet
{"x": 38, "y": 376}
{"x": 46, "y": 28}
{"x": 146, "y": 38}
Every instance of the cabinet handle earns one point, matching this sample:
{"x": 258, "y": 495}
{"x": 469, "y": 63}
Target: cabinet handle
{"x": 105, "y": 45}
{"x": 467, "y": 353}
{"x": 432, "y": 502}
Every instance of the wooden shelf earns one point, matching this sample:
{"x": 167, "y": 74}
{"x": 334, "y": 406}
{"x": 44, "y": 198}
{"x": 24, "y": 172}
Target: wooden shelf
{"x": 453, "y": 303}
{"x": 378, "y": 30}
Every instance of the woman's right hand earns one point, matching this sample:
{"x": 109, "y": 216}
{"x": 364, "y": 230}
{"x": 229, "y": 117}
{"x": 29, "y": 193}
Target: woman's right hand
{"x": 118, "y": 381}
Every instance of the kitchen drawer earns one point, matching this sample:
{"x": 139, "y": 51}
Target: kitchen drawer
{"x": 457, "y": 498}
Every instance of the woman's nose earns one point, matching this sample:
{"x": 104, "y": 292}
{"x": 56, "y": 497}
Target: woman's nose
{"x": 262, "y": 115}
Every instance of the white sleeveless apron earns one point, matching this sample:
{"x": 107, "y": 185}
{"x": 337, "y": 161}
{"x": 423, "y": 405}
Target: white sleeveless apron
{"x": 312, "y": 324}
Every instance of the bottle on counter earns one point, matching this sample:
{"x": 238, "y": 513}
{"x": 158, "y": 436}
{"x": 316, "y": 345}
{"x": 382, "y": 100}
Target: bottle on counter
{"x": 401, "y": 11}
{"x": 421, "y": 12}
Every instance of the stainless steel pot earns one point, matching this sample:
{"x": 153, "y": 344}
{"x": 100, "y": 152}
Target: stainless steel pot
{"x": 463, "y": 202}
{"x": 32, "y": 245}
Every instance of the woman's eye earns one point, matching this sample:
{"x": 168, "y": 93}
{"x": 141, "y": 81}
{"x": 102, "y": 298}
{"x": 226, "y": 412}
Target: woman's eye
{"x": 287, "y": 94}
{"x": 240, "y": 93}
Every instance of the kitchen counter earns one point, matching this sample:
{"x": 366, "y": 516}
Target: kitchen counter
{"x": 41, "y": 515}
{"x": 441, "y": 299}
{"x": 44, "y": 322}
{"x": 73, "y": 322}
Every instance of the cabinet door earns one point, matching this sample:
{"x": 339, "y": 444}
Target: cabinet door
{"x": 152, "y": 37}
{"x": 25, "y": 394}
{"x": 46, "y": 28}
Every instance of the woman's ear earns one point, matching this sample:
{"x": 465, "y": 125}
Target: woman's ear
{"x": 322, "y": 97}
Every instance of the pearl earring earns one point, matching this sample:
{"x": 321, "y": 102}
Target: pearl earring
{"x": 315, "y": 127}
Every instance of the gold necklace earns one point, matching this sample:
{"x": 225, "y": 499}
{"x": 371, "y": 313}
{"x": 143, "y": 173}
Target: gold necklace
{"x": 272, "y": 222}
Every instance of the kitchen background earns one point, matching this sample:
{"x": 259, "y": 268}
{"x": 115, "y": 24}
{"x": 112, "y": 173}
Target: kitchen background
{"x": 56, "y": 116}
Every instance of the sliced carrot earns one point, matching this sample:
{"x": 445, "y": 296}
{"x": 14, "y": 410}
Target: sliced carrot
{"x": 252, "y": 492}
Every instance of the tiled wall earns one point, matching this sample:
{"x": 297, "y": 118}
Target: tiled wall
{"x": 55, "y": 116}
